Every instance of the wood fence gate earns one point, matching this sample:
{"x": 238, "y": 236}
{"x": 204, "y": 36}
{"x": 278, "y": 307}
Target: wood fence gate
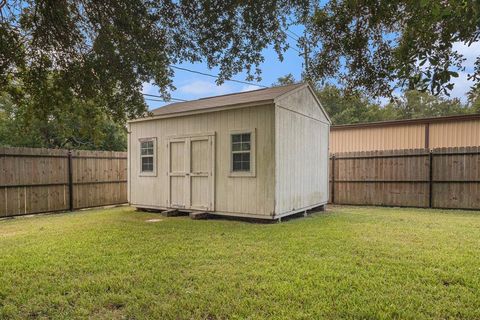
{"x": 440, "y": 178}
{"x": 50, "y": 180}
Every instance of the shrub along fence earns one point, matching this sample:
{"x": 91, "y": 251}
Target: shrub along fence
{"x": 49, "y": 180}
{"x": 440, "y": 178}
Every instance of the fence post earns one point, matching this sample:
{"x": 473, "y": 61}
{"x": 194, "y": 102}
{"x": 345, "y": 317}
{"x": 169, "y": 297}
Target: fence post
{"x": 430, "y": 180}
{"x": 70, "y": 181}
{"x": 333, "y": 178}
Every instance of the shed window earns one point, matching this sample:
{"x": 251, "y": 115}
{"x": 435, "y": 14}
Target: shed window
{"x": 241, "y": 152}
{"x": 147, "y": 156}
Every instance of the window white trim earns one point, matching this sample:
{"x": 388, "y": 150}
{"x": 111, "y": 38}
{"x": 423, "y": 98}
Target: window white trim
{"x": 253, "y": 142}
{"x": 152, "y": 173}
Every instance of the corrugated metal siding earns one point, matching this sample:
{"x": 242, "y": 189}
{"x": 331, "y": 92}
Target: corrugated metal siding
{"x": 448, "y": 134}
{"x": 377, "y": 138}
{"x": 455, "y": 134}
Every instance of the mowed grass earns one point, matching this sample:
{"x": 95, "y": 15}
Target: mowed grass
{"x": 349, "y": 262}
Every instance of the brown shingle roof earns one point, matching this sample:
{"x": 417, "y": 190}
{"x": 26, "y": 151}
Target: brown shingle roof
{"x": 263, "y": 96}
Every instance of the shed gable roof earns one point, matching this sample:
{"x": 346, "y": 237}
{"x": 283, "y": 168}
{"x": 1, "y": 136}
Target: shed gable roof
{"x": 262, "y": 96}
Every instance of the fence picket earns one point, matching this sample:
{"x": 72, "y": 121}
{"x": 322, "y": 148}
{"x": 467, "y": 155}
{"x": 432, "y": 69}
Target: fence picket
{"x": 402, "y": 178}
{"x": 36, "y": 180}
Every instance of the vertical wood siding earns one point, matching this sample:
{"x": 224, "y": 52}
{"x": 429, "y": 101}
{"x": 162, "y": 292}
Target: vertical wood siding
{"x": 301, "y": 153}
{"x": 253, "y": 195}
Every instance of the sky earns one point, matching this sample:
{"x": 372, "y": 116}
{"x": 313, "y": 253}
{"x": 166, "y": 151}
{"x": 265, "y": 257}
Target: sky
{"x": 462, "y": 84}
{"x": 191, "y": 86}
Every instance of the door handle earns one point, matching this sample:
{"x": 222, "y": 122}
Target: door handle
{"x": 187, "y": 174}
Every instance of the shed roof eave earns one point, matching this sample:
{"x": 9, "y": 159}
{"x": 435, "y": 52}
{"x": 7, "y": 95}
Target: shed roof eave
{"x": 203, "y": 111}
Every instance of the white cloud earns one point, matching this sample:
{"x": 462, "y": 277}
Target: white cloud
{"x": 462, "y": 84}
{"x": 204, "y": 88}
{"x": 469, "y": 52}
{"x": 250, "y": 87}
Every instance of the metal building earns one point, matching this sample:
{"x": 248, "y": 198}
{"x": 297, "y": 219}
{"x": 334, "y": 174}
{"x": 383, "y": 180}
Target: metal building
{"x": 430, "y": 133}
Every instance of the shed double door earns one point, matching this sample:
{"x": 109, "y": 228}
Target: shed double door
{"x": 191, "y": 176}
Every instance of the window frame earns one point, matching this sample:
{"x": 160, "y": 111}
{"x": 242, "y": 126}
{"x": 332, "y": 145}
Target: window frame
{"x": 152, "y": 173}
{"x": 252, "y": 171}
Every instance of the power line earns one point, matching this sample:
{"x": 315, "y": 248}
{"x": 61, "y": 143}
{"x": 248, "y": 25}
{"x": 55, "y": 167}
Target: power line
{"x": 291, "y": 32}
{"x": 305, "y": 48}
{"x": 162, "y": 99}
{"x": 156, "y": 100}
{"x": 291, "y": 37}
{"x": 214, "y": 76}
{"x": 291, "y": 47}
{"x": 295, "y": 49}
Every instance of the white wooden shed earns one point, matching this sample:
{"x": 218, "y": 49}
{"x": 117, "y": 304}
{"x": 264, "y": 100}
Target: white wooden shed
{"x": 257, "y": 154}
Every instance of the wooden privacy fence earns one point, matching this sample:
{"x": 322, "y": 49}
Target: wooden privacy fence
{"x": 49, "y": 180}
{"x": 441, "y": 178}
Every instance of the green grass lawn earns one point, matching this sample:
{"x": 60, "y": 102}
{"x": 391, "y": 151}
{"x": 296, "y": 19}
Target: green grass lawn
{"x": 347, "y": 263}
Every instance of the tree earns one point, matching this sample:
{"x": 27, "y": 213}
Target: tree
{"x": 379, "y": 46}
{"x": 103, "y": 51}
{"x": 285, "y": 80}
{"x": 343, "y": 106}
{"x": 347, "y": 107}
{"x": 78, "y": 126}
{"x": 475, "y": 101}
{"x": 415, "y": 104}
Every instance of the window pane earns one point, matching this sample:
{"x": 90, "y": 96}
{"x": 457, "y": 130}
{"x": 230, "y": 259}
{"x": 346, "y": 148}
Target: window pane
{"x": 246, "y": 146}
{"x": 147, "y": 152}
{"x": 237, "y": 166}
{"x": 237, "y": 157}
{"x": 241, "y": 161}
{"x": 237, "y": 146}
{"x": 147, "y": 164}
{"x": 241, "y": 146}
{"x": 146, "y": 148}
